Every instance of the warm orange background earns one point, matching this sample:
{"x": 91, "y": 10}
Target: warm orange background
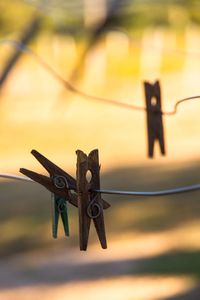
{"x": 37, "y": 112}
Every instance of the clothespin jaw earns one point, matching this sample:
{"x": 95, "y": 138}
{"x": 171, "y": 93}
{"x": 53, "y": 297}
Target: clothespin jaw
{"x": 59, "y": 183}
{"x": 90, "y": 203}
{"x": 154, "y": 117}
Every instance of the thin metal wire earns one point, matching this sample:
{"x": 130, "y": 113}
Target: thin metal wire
{"x": 170, "y": 113}
{"x": 15, "y": 177}
{"x": 23, "y": 48}
{"x": 184, "y": 189}
{"x": 179, "y": 190}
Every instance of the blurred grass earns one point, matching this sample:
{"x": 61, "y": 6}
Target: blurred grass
{"x": 179, "y": 263}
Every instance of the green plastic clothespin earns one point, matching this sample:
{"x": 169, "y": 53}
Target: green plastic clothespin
{"x": 59, "y": 207}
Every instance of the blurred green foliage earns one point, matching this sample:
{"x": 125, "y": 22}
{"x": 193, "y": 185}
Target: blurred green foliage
{"x": 64, "y": 17}
{"x": 176, "y": 262}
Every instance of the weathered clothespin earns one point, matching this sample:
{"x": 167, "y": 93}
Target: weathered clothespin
{"x": 59, "y": 183}
{"x": 154, "y": 117}
{"x": 90, "y": 203}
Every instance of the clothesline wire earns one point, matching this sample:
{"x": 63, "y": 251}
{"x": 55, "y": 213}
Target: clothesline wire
{"x": 165, "y": 192}
{"x": 23, "y": 48}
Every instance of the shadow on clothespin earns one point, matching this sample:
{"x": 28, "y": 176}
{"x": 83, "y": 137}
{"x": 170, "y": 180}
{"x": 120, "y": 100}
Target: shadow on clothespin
{"x": 90, "y": 203}
{"x": 59, "y": 183}
{"x": 154, "y": 117}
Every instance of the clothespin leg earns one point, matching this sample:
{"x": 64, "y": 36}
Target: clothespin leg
{"x": 84, "y": 224}
{"x": 83, "y": 199}
{"x": 95, "y": 207}
{"x": 64, "y": 217}
{"x": 100, "y": 229}
{"x": 162, "y": 143}
{"x": 59, "y": 206}
{"x": 55, "y": 216}
{"x": 151, "y": 142}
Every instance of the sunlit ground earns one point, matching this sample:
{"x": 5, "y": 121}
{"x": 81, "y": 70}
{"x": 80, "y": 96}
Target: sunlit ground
{"x": 36, "y": 112}
{"x": 114, "y": 274}
{"x": 151, "y": 288}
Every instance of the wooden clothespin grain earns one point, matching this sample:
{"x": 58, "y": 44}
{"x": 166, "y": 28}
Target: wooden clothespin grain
{"x": 90, "y": 203}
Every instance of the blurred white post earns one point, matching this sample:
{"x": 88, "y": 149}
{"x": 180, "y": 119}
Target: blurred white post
{"x": 151, "y": 54}
{"x": 64, "y": 54}
{"x": 94, "y": 11}
{"x": 96, "y": 66}
{"x": 117, "y": 45}
{"x": 191, "y": 79}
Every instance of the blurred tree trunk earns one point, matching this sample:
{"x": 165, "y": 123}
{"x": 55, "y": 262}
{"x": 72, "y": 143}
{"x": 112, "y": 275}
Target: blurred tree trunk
{"x": 95, "y": 33}
{"x": 29, "y": 32}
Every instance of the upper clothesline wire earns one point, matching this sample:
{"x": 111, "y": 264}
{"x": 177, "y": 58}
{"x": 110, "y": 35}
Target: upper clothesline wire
{"x": 23, "y": 48}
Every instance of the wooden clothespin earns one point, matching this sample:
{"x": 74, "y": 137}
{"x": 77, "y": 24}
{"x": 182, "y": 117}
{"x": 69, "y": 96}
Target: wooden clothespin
{"x": 90, "y": 203}
{"x": 59, "y": 183}
{"x": 154, "y": 117}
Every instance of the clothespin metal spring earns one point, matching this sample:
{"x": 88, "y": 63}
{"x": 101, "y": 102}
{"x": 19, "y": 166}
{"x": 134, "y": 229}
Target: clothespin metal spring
{"x": 93, "y": 205}
{"x": 60, "y": 182}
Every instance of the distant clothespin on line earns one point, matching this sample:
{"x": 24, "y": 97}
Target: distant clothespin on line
{"x": 61, "y": 184}
{"x": 155, "y": 129}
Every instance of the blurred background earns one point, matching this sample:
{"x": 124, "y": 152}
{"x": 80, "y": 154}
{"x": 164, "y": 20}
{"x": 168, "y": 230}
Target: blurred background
{"x": 105, "y": 48}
